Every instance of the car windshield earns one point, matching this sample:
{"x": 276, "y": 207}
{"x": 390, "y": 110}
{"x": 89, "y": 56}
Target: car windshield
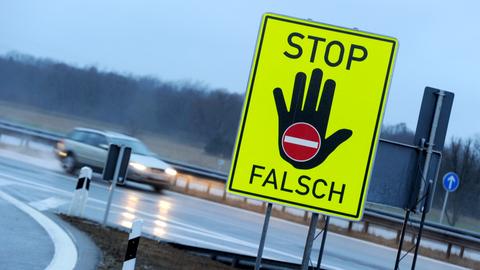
{"x": 137, "y": 147}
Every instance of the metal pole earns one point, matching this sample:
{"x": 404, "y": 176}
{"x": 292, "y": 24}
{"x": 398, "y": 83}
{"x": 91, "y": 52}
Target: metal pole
{"x": 444, "y": 207}
{"x": 431, "y": 140}
{"x": 402, "y": 236}
{"x": 322, "y": 245}
{"x": 309, "y": 243}
{"x": 268, "y": 213}
{"x": 422, "y": 222}
{"x": 113, "y": 184}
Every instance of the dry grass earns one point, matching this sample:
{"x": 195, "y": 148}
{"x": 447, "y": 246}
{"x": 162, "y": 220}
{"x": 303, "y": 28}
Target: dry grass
{"x": 150, "y": 254}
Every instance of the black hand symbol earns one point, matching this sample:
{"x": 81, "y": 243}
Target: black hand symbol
{"x": 309, "y": 115}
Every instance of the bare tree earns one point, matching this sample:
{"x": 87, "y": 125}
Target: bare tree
{"x": 189, "y": 112}
{"x": 463, "y": 157}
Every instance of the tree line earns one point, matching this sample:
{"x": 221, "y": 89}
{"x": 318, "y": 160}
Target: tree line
{"x": 190, "y": 112}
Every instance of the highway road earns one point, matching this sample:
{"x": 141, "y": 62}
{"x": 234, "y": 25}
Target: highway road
{"x": 188, "y": 220}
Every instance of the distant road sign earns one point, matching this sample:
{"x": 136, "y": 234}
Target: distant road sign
{"x": 451, "y": 181}
{"x": 312, "y": 116}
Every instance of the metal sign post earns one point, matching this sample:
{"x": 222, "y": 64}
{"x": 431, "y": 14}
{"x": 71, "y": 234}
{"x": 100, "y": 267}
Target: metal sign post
{"x": 444, "y": 207}
{"x": 422, "y": 222}
{"x": 423, "y": 196}
{"x": 451, "y": 181}
{"x": 322, "y": 245}
{"x": 114, "y": 163}
{"x": 309, "y": 243}
{"x": 112, "y": 185}
{"x": 402, "y": 237}
{"x": 431, "y": 140}
{"x": 268, "y": 213}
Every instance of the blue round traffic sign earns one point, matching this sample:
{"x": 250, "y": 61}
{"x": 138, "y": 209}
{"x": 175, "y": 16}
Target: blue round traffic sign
{"x": 451, "y": 181}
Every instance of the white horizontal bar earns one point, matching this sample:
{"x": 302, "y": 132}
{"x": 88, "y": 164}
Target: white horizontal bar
{"x": 301, "y": 142}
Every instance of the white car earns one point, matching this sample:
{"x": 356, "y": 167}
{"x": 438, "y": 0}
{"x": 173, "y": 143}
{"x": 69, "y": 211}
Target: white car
{"x": 89, "y": 147}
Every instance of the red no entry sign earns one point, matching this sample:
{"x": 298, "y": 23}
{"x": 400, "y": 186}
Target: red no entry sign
{"x": 301, "y": 141}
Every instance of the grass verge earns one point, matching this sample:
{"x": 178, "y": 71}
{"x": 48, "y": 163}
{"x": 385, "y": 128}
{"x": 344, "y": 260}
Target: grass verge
{"x": 151, "y": 254}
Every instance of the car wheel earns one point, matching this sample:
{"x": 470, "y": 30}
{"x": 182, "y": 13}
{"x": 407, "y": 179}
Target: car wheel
{"x": 158, "y": 188}
{"x": 69, "y": 164}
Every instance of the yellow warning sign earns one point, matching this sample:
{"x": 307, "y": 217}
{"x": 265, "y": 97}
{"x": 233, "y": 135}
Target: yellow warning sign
{"x": 312, "y": 116}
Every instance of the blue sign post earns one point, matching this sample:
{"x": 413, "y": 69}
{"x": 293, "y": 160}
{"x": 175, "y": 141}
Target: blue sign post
{"x": 450, "y": 182}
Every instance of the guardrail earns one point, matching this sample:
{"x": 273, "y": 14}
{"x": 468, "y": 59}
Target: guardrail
{"x": 453, "y": 244}
{"x": 453, "y": 237}
{"x": 53, "y": 137}
{"x": 37, "y": 133}
{"x": 181, "y": 166}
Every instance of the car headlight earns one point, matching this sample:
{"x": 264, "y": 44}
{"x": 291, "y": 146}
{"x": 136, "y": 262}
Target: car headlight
{"x": 171, "y": 171}
{"x": 138, "y": 166}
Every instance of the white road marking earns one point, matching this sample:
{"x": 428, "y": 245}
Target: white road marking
{"x": 193, "y": 229}
{"x": 366, "y": 243}
{"x": 49, "y": 203}
{"x": 302, "y": 142}
{"x": 65, "y": 255}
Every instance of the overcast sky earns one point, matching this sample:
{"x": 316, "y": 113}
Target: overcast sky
{"x": 213, "y": 42}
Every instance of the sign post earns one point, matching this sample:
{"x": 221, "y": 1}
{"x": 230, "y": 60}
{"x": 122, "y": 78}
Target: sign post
{"x": 268, "y": 213}
{"x": 322, "y": 244}
{"x": 115, "y": 168}
{"x": 309, "y": 243}
{"x": 436, "y": 107}
{"x": 450, "y": 182}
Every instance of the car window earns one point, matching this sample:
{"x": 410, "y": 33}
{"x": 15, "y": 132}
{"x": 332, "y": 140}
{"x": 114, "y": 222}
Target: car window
{"x": 79, "y": 136}
{"x": 96, "y": 139}
{"x": 137, "y": 146}
{"x": 99, "y": 140}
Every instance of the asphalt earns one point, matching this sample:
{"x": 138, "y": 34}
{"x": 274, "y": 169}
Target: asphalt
{"x": 183, "y": 219}
{"x": 27, "y": 245}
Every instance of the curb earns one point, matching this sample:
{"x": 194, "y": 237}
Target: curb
{"x": 65, "y": 253}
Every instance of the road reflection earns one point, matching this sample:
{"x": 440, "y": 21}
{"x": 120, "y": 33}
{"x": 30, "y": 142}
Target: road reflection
{"x": 130, "y": 212}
